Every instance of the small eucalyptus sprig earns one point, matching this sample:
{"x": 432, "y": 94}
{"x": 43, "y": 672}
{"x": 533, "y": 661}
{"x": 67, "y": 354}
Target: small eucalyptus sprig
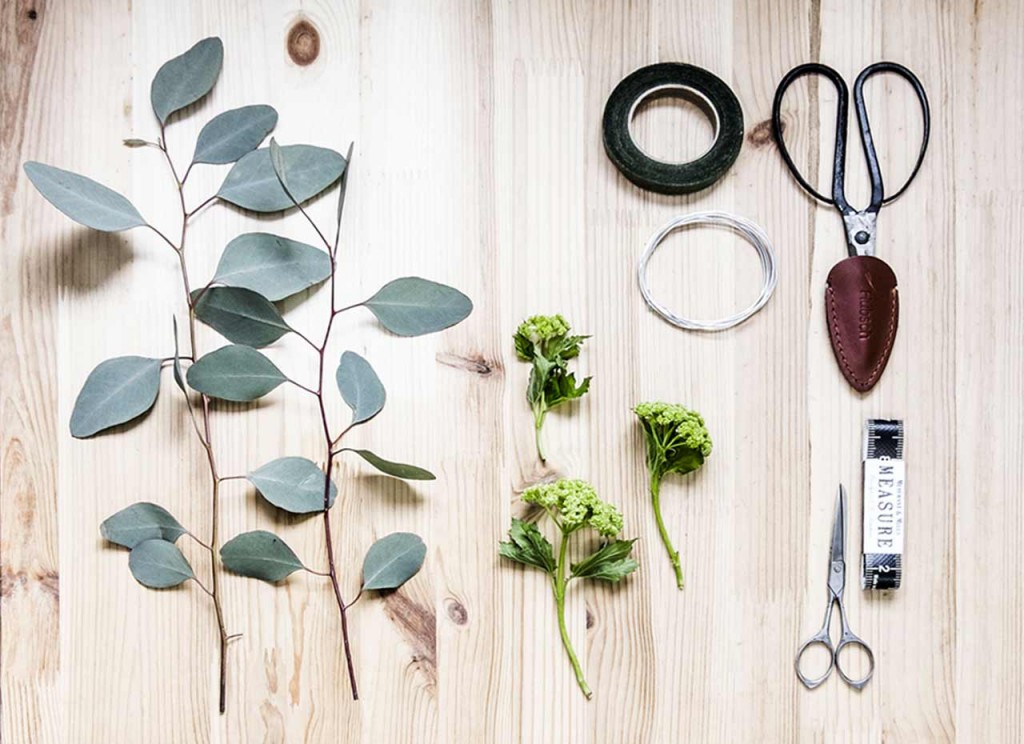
{"x": 409, "y": 306}
{"x": 572, "y": 505}
{"x": 255, "y": 271}
{"x": 677, "y": 442}
{"x": 545, "y": 342}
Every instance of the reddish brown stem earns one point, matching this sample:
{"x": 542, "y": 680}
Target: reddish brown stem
{"x": 206, "y": 439}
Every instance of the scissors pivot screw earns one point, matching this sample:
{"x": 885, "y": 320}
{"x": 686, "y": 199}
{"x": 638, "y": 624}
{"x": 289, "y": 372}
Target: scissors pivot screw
{"x": 861, "y": 237}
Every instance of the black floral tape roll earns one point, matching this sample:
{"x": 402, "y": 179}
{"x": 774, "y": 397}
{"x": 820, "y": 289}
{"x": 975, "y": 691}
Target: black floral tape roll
{"x": 683, "y": 81}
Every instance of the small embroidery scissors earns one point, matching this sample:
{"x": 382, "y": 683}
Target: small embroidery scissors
{"x": 847, "y": 639}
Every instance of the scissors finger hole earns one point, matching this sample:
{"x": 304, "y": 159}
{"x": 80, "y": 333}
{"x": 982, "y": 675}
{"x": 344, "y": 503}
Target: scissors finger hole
{"x": 814, "y": 662}
{"x": 855, "y": 661}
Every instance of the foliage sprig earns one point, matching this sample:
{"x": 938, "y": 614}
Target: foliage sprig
{"x": 572, "y": 505}
{"x": 546, "y": 342}
{"x": 255, "y": 271}
{"x": 677, "y": 442}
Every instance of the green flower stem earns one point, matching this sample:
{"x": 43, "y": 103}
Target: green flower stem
{"x": 539, "y": 412}
{"x": 673, "y": 554}
{"x": 559, "y": 584}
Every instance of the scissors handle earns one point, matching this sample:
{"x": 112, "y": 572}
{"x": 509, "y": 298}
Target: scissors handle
{"x": 838, "y": 198}
{"x": 865, "y": 127}
{"x": 821, "y": 638}
{"x": 842, "y": 114}
{"x": 848, "y": 641}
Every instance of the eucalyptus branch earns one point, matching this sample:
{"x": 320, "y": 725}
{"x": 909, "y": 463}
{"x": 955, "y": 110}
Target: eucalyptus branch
{"x": 255, "y": 271}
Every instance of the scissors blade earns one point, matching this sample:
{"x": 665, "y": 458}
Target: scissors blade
{"x": 839, "y": 529}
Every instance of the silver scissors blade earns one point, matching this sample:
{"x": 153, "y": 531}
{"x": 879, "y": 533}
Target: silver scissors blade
{"x": 837, "y": 558}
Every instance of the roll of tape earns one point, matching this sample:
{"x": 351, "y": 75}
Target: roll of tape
{"x": 679, "y": 80}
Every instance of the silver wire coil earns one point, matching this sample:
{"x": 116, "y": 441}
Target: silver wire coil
{"x": 749, "y": 230}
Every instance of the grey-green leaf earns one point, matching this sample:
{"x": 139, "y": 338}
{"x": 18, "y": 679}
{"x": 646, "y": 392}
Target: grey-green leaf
{"x": 85, "y": 201}
{"x": 229, "y": 136}
{"x": 186, "y": 78}
{"x": 294, "y": 484}
{"x": 277, "y": 160}
{"x": 272, "y": 266}
{"x": 343, "y": 186}
{"x": 394, "y": 469}
{"x": 360, "y": 387}
{"x": 237, "y": 373}
{"x": 412, "y": 306}
{"x": 260, "y": 555}
{"x": 393, "y": 560}
{"x": 252, "y": 183}
{"x": 241, "y": 316}
{"x": 159, "y": 564}
{"x": 139, "y": 522}
{"x": 117, "y": 391}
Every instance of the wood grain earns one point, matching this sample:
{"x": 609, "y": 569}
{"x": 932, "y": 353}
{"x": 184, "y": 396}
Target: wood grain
{"x": 478, "y": 162}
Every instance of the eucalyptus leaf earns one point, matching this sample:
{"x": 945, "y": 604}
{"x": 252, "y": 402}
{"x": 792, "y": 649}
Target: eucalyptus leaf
{"x": 360, "y": 387}
{"x": 85, "y": 201}
{"x": 115, "y": 392}
{"x": 412, "y": 306}
{"x": 294, "y": 484}
{"x": 159, "y": 564}
{"x": 260, "y": 555}
{"x": 393, "y": 560}
{"x": 394, "y": 469}
{"x": 277, "y": 160}
{"x": 238, "y": 373}
{"x": 232, "y": 134}
{"x": 241, "y": 315}
{"x": 343, "y": 186}
{"x": 186, "y": 78}
{"x": 178, "y": 376}
{"x": 141, "y": 521}
{"x": 135, "y": 142}
{"x": 252, "y": 183}
{"x": 272, "y": 266}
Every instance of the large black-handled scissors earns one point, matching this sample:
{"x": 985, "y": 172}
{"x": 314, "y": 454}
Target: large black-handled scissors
{"x": 847, "y": 639}
{"x": 860, "y": 224}
{"x": 862, "y": 299}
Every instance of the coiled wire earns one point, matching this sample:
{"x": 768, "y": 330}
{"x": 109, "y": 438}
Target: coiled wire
{"x": 749, "y": 230}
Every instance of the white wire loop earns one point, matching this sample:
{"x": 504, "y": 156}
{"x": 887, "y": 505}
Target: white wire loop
{"x": 749, "y": 230}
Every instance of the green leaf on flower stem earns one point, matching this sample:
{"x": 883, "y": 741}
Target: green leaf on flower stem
{"x": 240, "y": 315}
{"x": 139, "y": 522}
{"x": 117, "y": 391}
{"x": 394, "y": 469}
{"x": 232, "y": 134}
{"x": 186, "y": 78}
{"x": 393, "y": 560}
{"x": 260, "y": 555}
{"x": 253, "y": 184}
{"x": 159, "y": 564}
{"x": 237, "y": 373}
{"x": 85, "y": 201}
{"x": 360, "y": 387}
{"x": 272, "y": 266}
{"x": 611, "y": 562}
{"x": 528, "y": 546}
{"x": 294, "y": 484}
{"x": 135, "y": 142}
{"x": 412, "y": 306}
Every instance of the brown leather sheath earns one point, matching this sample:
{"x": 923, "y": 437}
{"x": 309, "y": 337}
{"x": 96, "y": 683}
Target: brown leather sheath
{"x": 862, "y": 307}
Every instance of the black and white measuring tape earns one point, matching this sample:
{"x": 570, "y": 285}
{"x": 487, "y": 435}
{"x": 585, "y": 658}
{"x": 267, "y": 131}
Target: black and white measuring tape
{"x": 884, "y": 505}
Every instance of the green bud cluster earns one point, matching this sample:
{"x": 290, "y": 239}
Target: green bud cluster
{"x": 577, "y": 504}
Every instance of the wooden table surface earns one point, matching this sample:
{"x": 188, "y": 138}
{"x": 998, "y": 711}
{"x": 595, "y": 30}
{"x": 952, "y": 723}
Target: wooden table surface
{"x": 479, "y": 163}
